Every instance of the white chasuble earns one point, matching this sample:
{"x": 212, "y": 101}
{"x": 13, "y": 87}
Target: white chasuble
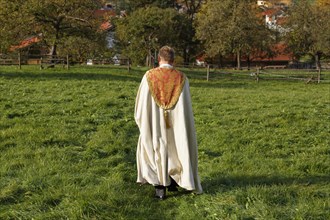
{"x": 167, "y": 145}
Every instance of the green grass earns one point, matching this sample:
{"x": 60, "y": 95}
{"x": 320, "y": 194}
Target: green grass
{"x": 68, "y": 141}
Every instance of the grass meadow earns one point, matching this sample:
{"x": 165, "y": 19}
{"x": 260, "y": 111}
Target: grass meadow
{"x": 68, "y": 142}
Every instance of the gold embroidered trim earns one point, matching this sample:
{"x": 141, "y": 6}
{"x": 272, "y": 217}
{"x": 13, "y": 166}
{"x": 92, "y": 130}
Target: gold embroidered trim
{"x": 167, "y": 119}
{"x": 165, "y": 85}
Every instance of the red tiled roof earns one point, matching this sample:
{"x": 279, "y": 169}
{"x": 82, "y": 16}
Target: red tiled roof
{"x": 282, "y": 55}
{"x": 25, "y": 43}
{"x": 281, "y": 20}
{"x": 102, "y": 12}
{"x": 270, "y": 12}
{"x": 105, "y": 26}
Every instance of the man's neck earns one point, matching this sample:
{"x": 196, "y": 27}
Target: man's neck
{"x": 165, "y": 64}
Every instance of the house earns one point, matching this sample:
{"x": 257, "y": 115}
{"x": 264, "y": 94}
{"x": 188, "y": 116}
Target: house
{"x": 281, "y": 57}
{"x": 274, "y": 3}
{"x": 27, "y": 42}
{"x": 106, "y": 25}
{"x": 275, "y": 18}
{"x": 262, "y": 3}
{"x": 200, "y": 60}
{"x": 271, "y": 16}
{"x": 31, "y": 48}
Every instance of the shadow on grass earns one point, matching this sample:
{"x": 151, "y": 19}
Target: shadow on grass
{"x": 116, "y": 73}
{"x": 224, "y": 183}
{"x": 72, "y": 76}
{"x": 90, "y": 74}
{"x": 220, "y": 84}
{"x": 99, "y": 73}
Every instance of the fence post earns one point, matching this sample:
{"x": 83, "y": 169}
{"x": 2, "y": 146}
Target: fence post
{"x": 41, "y": 63}
{"x": 257, "y": 74}
{"x": 208, "y": 72}
{"x": 19, "y": 60}
{"x": 129, "y": 65}
{"x": 319, "y": 76}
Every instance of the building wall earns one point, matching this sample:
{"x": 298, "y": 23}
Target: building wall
{"x": 271, "y": 3}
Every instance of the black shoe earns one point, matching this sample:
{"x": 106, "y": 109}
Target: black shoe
{"x": 160, "y": 192}
{"x": 173, "y": 187}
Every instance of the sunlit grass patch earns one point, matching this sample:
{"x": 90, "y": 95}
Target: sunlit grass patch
{"x": 68, "y": 141}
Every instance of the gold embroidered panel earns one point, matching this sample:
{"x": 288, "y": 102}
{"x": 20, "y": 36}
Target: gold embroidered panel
{"x": 165, "y": 85}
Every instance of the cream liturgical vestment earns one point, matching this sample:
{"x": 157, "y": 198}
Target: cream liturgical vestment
{"x": 167, "y": 145}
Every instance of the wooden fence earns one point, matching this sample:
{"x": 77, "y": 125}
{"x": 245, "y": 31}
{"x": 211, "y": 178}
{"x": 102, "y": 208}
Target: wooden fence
{"x": 207, "y": 71}
{"x": 270, "y": 73}
{"x": 46, "y": 61}
{"x": 50, "y": 61}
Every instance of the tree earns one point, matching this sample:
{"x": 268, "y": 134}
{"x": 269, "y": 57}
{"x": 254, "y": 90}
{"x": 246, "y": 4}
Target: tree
{"x": 146, "y": 30}
{"x": 309, "y": 30}
{"x": 190, "y": 45}
{"x": 232, "y": 26}
{"x": 81, "y": 48}
{"x": 323, "y": 34}
{"x": 193, "y": 7}
{"x": 56, "y": 20}
{"x": 187, "y": 45}
{"x": 10, "y": 31}
{"x": 323, "y": 3}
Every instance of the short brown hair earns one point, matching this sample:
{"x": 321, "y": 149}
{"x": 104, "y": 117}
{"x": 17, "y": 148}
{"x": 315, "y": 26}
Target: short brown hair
{"x": 166, "y": 53}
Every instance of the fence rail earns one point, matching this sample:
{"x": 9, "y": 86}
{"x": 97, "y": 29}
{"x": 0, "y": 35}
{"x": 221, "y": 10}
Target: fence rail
{"x": 45, "y": 61}
{"x": 49, "y": 61}
{"x": 205, "y": 71}
{"x": 258, "y": 74}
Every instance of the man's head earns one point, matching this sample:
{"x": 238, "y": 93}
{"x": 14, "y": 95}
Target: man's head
{"x": 166, "y": 54}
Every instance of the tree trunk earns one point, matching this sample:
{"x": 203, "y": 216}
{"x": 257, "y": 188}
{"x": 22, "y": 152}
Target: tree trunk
{"x": 318, "y": 66}
{"x": 318, "y": 61}
{"x": 53, "y": 54}
{"x": 220, "y": 63}
{"x": 238, "y": 54}
{"x": 149, "y": 58}
{"x": 53, "y": 50}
